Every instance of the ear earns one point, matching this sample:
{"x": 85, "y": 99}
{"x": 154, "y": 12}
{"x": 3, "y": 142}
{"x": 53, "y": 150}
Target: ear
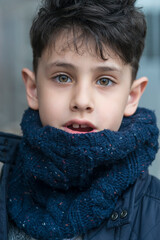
{"x": 31, "y": 88}
{"x": 137, "y": 89}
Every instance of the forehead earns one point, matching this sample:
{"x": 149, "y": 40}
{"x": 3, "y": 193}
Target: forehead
{"x": 62, "y": 55}
{"x": 76, "y": 42}
{"x": 63, "y": 52}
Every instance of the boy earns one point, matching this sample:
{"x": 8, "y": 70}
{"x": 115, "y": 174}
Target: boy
{"x": 80, "y": 169}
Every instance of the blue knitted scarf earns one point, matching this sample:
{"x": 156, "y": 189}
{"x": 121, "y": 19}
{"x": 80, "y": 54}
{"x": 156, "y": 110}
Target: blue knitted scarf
{"x": 63, "y": 184}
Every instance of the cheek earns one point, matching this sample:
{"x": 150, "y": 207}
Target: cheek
{"x": 110, "y": 115}
{"x": 51, "y": 114}
{"x": 51, "y": 108}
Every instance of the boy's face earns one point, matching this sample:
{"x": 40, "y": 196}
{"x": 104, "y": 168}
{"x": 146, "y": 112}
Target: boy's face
{"x": 79, "y": 92}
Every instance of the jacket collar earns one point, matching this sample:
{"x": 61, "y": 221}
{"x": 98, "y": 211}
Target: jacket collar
{"x": 8, "y": 146}
{"x": 8, "y": 142}
{"x": 123, "y": 212}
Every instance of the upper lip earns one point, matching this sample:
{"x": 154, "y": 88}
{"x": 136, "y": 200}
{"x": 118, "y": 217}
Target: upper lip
{"x": 80, "y": 122}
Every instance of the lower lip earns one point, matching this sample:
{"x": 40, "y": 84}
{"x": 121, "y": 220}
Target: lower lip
{"x": 77, "y": 132}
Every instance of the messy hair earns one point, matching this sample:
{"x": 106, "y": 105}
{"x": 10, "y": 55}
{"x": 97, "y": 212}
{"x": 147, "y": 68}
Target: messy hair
{"x": 117, "y": 24}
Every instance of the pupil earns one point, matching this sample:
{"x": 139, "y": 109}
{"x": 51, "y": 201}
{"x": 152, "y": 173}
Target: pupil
{"x": 63, "y": 78}
{"x": 104, "y": 81}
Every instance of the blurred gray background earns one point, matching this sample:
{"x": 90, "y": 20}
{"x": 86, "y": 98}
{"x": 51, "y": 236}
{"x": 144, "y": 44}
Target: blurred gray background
{"x": 15, "y": 53}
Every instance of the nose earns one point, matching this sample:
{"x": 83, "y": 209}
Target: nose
{"x": 82, "y": 99}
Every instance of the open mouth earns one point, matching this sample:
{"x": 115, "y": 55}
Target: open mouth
{"x": 79, "y": 128}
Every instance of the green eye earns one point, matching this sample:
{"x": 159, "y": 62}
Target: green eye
{"x": 62, "y": 78}
{"x": 105, "y": 82}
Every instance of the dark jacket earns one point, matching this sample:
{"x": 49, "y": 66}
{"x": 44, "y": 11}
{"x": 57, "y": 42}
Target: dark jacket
{"x": 136, "y": 216}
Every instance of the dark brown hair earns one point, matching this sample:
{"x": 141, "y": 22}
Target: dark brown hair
{"x": 118, "y": 24}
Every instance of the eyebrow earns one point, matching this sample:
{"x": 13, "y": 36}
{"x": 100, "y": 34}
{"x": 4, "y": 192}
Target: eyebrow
{"x": 74, "y": 67}
{"x": 61, "y": 64}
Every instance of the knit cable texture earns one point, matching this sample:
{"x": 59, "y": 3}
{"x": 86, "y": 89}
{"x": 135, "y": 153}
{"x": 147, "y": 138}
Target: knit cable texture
{"x": 14, "y": 233}
{"x": 66, "y": 184}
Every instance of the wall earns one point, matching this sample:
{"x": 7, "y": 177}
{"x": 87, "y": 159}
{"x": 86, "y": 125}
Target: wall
{"x": 15, "y": 53}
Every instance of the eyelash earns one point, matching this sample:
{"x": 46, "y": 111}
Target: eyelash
{"x": 111, "y": 82}
{"x": 61, "y": 75}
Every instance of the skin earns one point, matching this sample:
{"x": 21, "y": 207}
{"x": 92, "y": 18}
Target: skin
{"x": 81, "y": 88}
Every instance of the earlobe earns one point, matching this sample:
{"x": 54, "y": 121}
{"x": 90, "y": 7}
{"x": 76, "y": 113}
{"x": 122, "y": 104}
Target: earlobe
{"x": 31, "y": 88}
{"x": 136, "y": 92}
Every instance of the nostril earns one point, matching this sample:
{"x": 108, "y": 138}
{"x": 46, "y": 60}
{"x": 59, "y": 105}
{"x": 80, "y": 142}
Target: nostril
{"x": 75, "y": 107}
{"x": 81, "y": 107}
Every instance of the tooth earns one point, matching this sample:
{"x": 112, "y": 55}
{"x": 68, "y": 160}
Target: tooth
{"x": 75, "y": 125}
{"x": 83, "y": 126}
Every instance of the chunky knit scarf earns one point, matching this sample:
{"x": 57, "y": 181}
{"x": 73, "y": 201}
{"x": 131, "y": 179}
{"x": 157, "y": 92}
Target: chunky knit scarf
{"x": 65, "y": 184}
